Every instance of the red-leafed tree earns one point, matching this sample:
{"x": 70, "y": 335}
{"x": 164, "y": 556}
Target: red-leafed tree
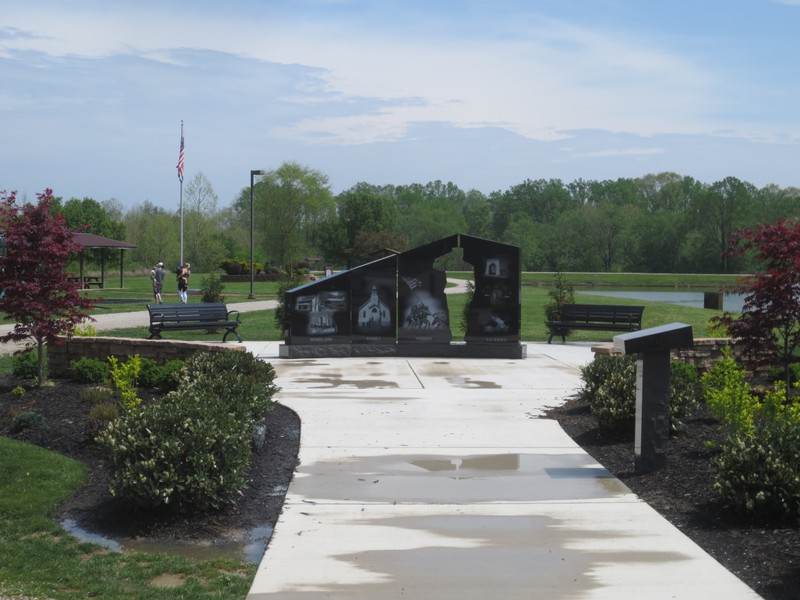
{"x": 769, "y": 324}
{"x": 36, "y": 294}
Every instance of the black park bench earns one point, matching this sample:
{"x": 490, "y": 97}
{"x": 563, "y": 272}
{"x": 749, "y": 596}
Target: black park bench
{"x": 595, "y": 317}
{"x": 209, "y": 316}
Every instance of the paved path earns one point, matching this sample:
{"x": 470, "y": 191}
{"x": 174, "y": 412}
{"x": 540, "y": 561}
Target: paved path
{"x": 123, "y": 320}
{"x": 439, "y": 479}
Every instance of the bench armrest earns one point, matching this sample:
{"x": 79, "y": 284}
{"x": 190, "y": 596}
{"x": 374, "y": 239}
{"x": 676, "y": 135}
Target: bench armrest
{"x": 234, "y": 314}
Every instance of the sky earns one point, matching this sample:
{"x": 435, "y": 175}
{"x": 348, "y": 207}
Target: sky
{"x": 483, "y": 94}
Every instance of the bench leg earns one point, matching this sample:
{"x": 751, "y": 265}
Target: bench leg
{"x": 234, "y": 332}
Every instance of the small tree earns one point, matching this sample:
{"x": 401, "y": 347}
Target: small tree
{"x": 36, "y": 293}
{"x": 560, "y": 294}
{"x": 769, "y": 324}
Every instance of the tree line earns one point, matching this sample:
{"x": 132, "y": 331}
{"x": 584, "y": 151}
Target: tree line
{"x": 662, "y": 222}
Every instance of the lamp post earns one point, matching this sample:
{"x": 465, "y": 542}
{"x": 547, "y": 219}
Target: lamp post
{"x": 253, "y": 173}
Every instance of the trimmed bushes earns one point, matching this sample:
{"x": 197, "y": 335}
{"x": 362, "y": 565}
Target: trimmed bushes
{"x": 610, "y": 389}
{"x": 757, "y": 467}
{"x": 189, "y": 449}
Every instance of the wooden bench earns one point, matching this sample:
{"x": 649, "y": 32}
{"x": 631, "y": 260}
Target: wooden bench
{"x": 595, "y": 317}
{"x": 208, "y": 316}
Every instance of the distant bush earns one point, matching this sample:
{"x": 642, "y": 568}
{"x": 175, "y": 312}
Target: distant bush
{"x": 211, "y": 288}
{"x": 190, "y": 449}
{"x": 85, "y": 329}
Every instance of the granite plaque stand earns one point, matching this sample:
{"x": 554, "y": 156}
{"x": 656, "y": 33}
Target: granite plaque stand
{"x": 653, "y": 347}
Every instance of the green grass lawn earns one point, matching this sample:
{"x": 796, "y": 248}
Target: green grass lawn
{"x": 139, "y": 291}
{"x": 37, "y": 559}
{"x": 260, "y": 325}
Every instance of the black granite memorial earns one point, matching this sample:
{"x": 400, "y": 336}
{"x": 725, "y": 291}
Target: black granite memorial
{"x": 397, "y": 305}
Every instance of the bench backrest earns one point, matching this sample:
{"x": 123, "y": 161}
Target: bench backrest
{"x": 175, "y": 313}
{"x": 601, "y": 313}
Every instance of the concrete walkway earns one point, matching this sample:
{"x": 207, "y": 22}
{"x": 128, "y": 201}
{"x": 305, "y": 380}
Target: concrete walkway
{"x": 436, "y": 478}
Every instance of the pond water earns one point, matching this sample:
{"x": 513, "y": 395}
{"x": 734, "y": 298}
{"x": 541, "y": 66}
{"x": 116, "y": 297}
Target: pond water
{"x": 732, "y": 302}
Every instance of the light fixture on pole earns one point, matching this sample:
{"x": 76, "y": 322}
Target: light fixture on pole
{"x": 253, "y": 173}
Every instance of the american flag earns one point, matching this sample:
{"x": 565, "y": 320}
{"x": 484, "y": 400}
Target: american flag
{"x": 180, "y": 157}
{"x": 411, "y": 282}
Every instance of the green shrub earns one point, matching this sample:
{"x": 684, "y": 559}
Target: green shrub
{"x": 85, "y": 329}
{"x": 99, "y": 417}
{"x": 759, "y": 474}
{"x": 598, "y": 371}
{"x": 614, "y": 402}
{"x": 729, "y": 397}
{"x": 25, "y": 365}
{"x": 684, "y": 393}
{"x": 610, "y": 389}
{"x": 124, "y": 376}
{"x": 88, "y": 370}
{"x": 27, "y": 420}
{"x": 233, "y": 375}
{"x": 19, "y": 392}
{"x": 163, "y": 377}
{"x": 211, "y": 287}
{"x": 190, "y": 449}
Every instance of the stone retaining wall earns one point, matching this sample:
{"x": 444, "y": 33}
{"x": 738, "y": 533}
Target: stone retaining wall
{"x": 59, "y": 356}
{"x": 706, "y": 352}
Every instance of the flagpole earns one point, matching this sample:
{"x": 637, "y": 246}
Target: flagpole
{"x": 180, "y": 177}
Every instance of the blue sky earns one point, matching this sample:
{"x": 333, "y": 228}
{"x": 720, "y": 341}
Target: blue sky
{"x": 485, "y": 94}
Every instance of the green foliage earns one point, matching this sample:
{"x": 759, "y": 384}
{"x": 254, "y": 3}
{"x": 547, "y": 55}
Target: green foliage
{"x": 614, "y": 402}
{"x": 124, "y": 376}
{"x": 211, "y": 287}
{"x": 87, "y": 329}
{"x": 759, "y": 474}
{"x": 25, "y": 365}
{"x": 190, "y": 449}
{"x": 728, "y": 395}
{"x": 100, "y": 415}
{"x": 89, "y": 370}
{"x": 757, "y": 470}
{"x": 163, "y": 377}
{"x": 610, "y": 389}
{"x": 27, "y": 420}
{"x": 685, "y": 392}
{"x": 561, "y": 293}
{"x": 18, "y": 391}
